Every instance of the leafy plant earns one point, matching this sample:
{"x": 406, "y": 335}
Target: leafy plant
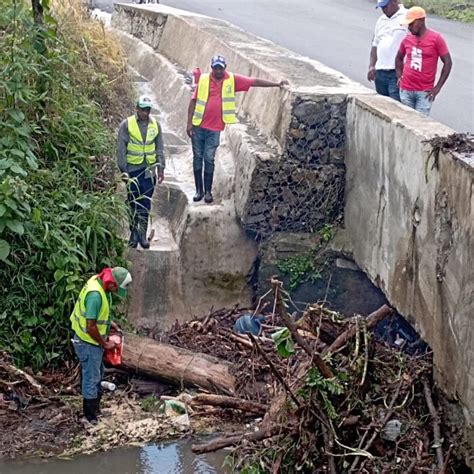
{"x": 325, "y": 388}
{"x": 284, "y": 342}
{"x": 59, "y": 222}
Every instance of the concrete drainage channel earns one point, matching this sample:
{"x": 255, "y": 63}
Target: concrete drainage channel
{"x": 298, "y": 162}
{"x": 326, "y": 152}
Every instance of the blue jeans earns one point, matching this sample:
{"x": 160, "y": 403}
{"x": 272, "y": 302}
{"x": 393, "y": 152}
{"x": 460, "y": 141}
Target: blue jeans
{"x": 386, "y": 83}
{"x": 417, "y": 100}
{"x": 92, "y": 368}
{"x": 140, "y": 192}
{"x": 205, "y": 143}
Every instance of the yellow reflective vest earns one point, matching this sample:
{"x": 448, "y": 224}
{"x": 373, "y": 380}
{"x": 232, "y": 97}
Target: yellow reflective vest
{"x": 78, "y": 318}
{"x": 138, "y": 150}
{"x": 228, "y": 99}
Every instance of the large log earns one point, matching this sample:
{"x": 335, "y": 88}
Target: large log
{"x": 177, "y": 365}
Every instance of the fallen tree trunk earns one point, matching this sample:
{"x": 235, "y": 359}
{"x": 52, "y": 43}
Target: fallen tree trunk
{"x": 177, "y": 365}
{"x": 229, "y": 402}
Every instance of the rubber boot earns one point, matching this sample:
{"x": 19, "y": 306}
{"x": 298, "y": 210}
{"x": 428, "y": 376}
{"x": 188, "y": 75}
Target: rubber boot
{"x": 198, "y": 183}
{"x": 133, "y": 240}
{"x": 208, "y": 187}
{"x": 89, "y": 407}
{"x": 142, "y": 240}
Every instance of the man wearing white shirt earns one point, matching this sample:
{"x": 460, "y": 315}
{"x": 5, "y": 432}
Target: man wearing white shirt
{"x": 388, "y": 35}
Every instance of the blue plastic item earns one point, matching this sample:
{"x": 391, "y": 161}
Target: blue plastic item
{"x": 249, "y": 323}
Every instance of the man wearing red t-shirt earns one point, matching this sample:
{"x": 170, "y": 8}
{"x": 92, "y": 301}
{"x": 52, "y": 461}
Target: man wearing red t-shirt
{"x": 210, "y": 109}
{"x": 422, "y": 49}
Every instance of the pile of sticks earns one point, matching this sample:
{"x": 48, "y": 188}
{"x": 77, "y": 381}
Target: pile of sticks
{"x": 342, "y": 402}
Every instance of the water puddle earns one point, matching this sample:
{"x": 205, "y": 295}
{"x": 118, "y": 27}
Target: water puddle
{"x": 164, "y": 458}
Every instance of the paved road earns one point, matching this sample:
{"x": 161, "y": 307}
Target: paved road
{"x": 338, "y": 33}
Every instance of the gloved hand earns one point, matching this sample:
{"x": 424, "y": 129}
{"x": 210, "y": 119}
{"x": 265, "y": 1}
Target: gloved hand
{"x": 124, "y": 177}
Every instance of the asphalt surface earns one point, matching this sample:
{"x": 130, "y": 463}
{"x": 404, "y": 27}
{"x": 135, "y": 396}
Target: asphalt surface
{"x": 338, "y": 34}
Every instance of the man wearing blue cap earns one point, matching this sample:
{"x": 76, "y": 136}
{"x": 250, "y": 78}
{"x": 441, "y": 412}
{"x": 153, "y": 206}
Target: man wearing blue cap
{"x": 141, "y": 160}
{"x": 389, "y": 33}
{"x": 211, "y": 108}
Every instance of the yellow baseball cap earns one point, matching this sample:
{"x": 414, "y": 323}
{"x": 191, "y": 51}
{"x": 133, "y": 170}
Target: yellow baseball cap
{"x": 414, "y": 13}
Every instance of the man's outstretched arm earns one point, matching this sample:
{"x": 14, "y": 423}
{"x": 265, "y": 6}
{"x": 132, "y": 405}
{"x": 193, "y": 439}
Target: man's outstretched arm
{"x": 264, "y": 83}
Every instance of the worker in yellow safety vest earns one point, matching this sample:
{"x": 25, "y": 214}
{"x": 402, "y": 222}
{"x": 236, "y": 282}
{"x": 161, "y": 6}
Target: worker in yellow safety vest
{"x": 211, "y": 108}
{"x": 91, "y": 323}
{"x": 140, "y": 158}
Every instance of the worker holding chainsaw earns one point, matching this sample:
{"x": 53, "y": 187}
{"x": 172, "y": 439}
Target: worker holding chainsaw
{"x": 91, "y": 324}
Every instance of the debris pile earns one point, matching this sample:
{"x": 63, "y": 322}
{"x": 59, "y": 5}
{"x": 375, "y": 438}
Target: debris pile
{"x": 334, "y": 398}
{"x": 314, "y": 393}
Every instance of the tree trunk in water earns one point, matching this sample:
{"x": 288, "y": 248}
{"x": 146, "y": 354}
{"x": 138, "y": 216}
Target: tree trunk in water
{"x": 177, "y": 365}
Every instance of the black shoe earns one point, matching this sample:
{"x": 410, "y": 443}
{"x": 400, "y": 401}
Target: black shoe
{"x": 143, "y": 241}
{"x": 133, "y": 240}
{"x": 198, "y": 196}
{"x": 89, "y": 407}
{"x": 198, "y": 183}
{"x": 208, "y": 177}
{"x": 142, "y": 233}
{"x": 208, "y": 197}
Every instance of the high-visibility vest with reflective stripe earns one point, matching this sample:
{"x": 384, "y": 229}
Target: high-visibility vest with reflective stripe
{"x": 78, "y": 318}
{"x": 228, "y": 99}
{"x": 138, "y": 150}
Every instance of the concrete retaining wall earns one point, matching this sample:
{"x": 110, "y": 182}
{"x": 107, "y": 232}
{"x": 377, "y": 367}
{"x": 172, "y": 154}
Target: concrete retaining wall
{"x": 410, "y": 214}
{"x": 294, "y": 140}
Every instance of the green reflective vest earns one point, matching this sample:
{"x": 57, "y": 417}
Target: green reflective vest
{"x": 138, "y": 150}
{"x": 78, "y": 318}
{"x": 228, "y": 99}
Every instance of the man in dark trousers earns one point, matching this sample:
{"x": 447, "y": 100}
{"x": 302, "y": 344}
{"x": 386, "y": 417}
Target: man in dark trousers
{"x": 211, "y": 108}
{"x": 91, "y": 323}
{"x": 388, "y": 35}
{"x": 141, "y": 160}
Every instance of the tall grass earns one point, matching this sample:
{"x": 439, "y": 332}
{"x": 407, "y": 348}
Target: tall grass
{"x": 462, "y": 10}
{"x": 59, "y": 217}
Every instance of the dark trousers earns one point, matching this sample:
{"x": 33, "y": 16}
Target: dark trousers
{"x": 205, "y": 143}
{"x": 386, "y": 83}
{"x": 140, "y": 192}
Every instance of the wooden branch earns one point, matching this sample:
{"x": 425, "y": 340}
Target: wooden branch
{"x": 274, "y": 370}
{"x": 229, "y": 402}
{"x": 289, "y": 323}
{"x": 226, "y": 441}
{"x": 435, "y": 420}
{"x": 377, "y": 430}
{"x": 372, "y": 320}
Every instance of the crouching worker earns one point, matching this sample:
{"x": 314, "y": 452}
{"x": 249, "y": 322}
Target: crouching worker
{"x": 91, "y": 324}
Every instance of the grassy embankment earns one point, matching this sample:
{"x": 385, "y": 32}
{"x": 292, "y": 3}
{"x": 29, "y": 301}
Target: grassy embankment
{"x": 62, "y": 88}
{"x": 462, "y": 10}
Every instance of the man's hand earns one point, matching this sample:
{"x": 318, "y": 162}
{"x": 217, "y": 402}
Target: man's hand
{"x": 189, "y": 130}
{"x": 161, "y": 176}
{"x": 124, "y": 177}
{"x": 283, "y": 84}
{"x": 431, "y": 95}
{"x": 371, "y": 74}
{"x": 108, "y": 345}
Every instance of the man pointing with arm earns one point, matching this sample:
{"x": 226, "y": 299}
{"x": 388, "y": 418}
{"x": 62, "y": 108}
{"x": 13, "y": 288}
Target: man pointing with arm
{"x": 211, "y": 108}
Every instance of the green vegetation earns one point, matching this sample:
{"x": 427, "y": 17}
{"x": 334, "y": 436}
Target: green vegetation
{"x": 59, "y": 218}
{"x": 462, "y": 10}
{"x": 307, "y": 266}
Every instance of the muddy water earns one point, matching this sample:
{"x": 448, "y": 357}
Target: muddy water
{"x": 166, "y": 458}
